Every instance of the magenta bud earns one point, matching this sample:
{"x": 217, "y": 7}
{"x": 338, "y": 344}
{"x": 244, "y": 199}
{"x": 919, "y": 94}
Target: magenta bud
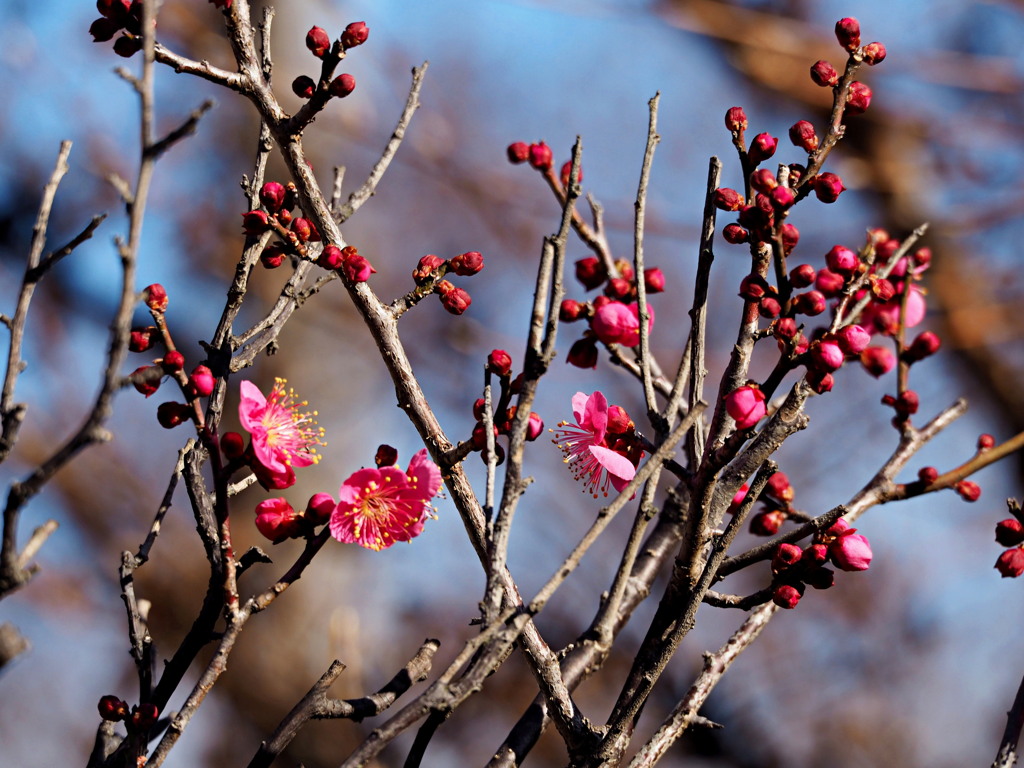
{"x": 848, "y": 33}
{"x": 173, "y": 361}
{"x": 466, "y": 264}
{"x": 319, "y": 508}
{"x": 786, "y": 596}
{"x": 654, "y": 280}
{"x": 802, "y": 135}
{"x": 272, "y": 196}
{"x": 763, "y": 180}
{"x": 829, "y": 283}
{"x": 736, "y": 119}
{"x": 802, "y": 276}
{"x": 841, "y": 259}
{"x": 255, "y": 222}
{"x": 540, "y": 156}
{"x": 330, "y": 257}
{"x": 202, "y": 381}
{"x": 811, "y": 303}
{"x": 853, "y": 339}
{"x": 924, "y": 345}
{"x": 746, "y": 406}
{"x": 859, "y": 100}
{"x": 877, "y": 360}
{"x": 518, "y": 152}
{"x": 827, "y": 356}
{"x": 427, "y": 268}
{"x": 342, "y": 86}
{"x": 358, "y": 270}
{"x": 534, "y": 426}
{"x": 454, "y": 300}
{"x": 767, "y": 523}
{"x": 824, "y": 74}
{"x": 827, "y": 187}
{"x": 735, "y": 234}
{"x": 499, "y": 362}
{"x": 762, "y": 147}
{"x": 790, "y": 237}
{"x": 782, "y": 197}
{"x": 728, "y": 199}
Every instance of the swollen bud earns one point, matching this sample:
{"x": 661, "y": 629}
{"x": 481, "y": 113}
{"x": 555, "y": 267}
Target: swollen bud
{"x": 202, "y": 381}
{"x": 355, "y": 34}
{"x": 518, "y": 152}
{"x": 112, "y": 708}
{"x": 802, "y": 135}
{"x": 762, "y": 147}
{"x": 859, "y": 100}
{"x": 318, "y": 42}
{"x": 540, "y": 156}
{"x": 342, "y": 86}
{"x": 848, "y": 33}
{"x": 232, "y": 445}
{"x": 172, "y": 414}
{"x": 736, "y": 120}
{"x": 466, "y": 264}
{"x": 303, "y": 86}
{"x": 874, "y": 53}
{"x": 454, "y": 300}
{"x": 824, "y": 74}
{"x": 386, "y": 456}
{"x": 499, "y": 362}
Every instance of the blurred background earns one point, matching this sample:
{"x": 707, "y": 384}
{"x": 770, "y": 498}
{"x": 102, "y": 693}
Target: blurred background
{"x": 911, "y": 663}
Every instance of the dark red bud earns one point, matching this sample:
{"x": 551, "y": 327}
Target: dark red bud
{"x": 155, "y": 297}
{"x": 303, "y": 229}
{"x": 928, "y": 475}
{"x": 355, "y": 34}
{"x": 583, "y": 353}
{"x": 318, "y": 42}
{"x": 232, "y": 445}
{"x": 518, "y": 152}
{"x": 802, "y": 276}
{"x": 566, "y": 170}
{"x": 142, "y": 339}
{"x": 330, "y": 257}
{"x": 827, "y": 187}
{"x": 1010, "y": 532}
{"x": 763, "y": 180}
{"x": 103, "y": 30}
{"x": 728, "y": 199}
{"x": 112, "y": 708}
{"x": 303, "y": 86}
{"x": 824, "y": 74}
{"x": 859, "y": 100}
{"x": 591, "y": 272}
{"x": 499, "y": 362}
{"x": 848, "y": 33}
{"x": 426, "y": 267}
{"x": 171, "y": 415}
{"x": 736, "y": 119}
{"x": 465, "y": 264}
{"x": 735, "y": 234}
{"x": 790, "y": 237}
{"x": 386, "y": 456}
{"x": 654, "y": 280}
{"x": 173, "y": 361}
{"x": 540, "y": 156}
{"x": 127, "y": 46}
{"x": 255, "y": 222}
{"x": 454, "y": 300}
{"x": 810, "y": 303}
{"x": 802, "y": 135}
{"x": 874, "y": 53}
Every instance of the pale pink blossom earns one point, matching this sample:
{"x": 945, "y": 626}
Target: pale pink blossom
{"x": 283, "y": 435}
{"x": 379, "y": 506}
{"x": 276, "y": 519}
{"x": 586, "y": 448}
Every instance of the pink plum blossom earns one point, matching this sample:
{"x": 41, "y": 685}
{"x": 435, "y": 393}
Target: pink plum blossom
{"x": 585, "y": 446}
{"x": 379, "y": 506}
{"x": 283, "y": 436}
{"x": 618, "y": 323}
{"x": 746, "y": 406}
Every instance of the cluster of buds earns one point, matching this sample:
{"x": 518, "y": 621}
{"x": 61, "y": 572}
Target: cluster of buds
{"x": 147, "y": 378}
{"x": 777, "y": 505}
{"x": 277, "y": 520}
{"x": 139, "y": 719}
{"x": 613, "y": 317}
{"x": 793, "y": 568}
{"x": 858, "y": 95}
{"x": 319, "y": 44}
{"x": 124, "y": 16}
{"x": 1010, "y": 533}
{"x": 499, "y": 363}
{"x": 430, "y": 270}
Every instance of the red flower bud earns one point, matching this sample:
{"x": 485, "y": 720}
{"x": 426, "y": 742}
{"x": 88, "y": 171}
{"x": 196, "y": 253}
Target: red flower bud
{"x": 127, "y": 46}
{"x": 824, "y": 74}
{"x": 386, "y": 456}
{"x": 355, "y": 34}
{"x": 518, "y": 152}
{"x": 303, "y": 86}
{"x": 769, "y": 307}
{"x": 534, "y": 426}
{"x": 272, "y": 196}
{"x": 117, "y": 10}
{"x": 142, "y": 339}
{"x": 155, "y": 297}
{"x": 874, "y": 53}
{"x": 763, "y": 180}
{"x": 735, "y": 234}
{"x": 802, "y": 135}
{"x": 786, "y": 596}
{"x": 330, "y": 257}
{"x": 654, "y": 280}
{"x": 848, "y": 33}
{"x": 570, "y": 311}
{"x": 232, "y": 445}
{"x": 426, "y": 268}
{"x": 779, "y": 487}
{"x": 465, "y": 264}
{"x": 859, "y": 100}
{"x": 767, "y": 523}
{"x": 802, "y": 276}
{"x": 736, "y": 119}
{"x": 968, "y": 490}
{"x": 171, "y": 415}
{"x": 746, "y": 406}
{"x": 811, "y": 303}
{"x": 564, "y": 173}
{"x": 826, "y": 356}
{"x": 1011, "y": 563}
{"x": 318, "y": 42}
{"x": 753, "y": 287}
{"x": 173, "y": 361}
{"x": 830, "y": 283}
{"x": 319, "y": 508}
{"x": 928, "y": 475}
{"x": 591, "y": 272}
{"x": 583, "y": 353}
{"x": 342, "y": 86}
{"x": 827, "y": 187}
{"x": 273, "y": 256}
{"x": 762, "y": 147}
{"x": 303, "y": 229}
{"x": 782, "y": 197}
{"x": 785, "y": 555}
{"x": 255, "y": 222}
{"x": 143, "y": 717}
{"x": 819, "y": 381}
{"x": 877, "y": 360}
{"x": 202, "y": 381}
{"x": 820, "y": 578}
{"x": 785, "y": 329}
{"x": 499, "y": 362}
{"x": 841, "y": 259}
{"x": 454, "y": 300}
{"x": 1009, "y": 532}
{"x": 277, "y": 520}
{"x": 853, "y": 339}
{"x": 985, "y": 442}
{"x": 728, "y": 199}
{"x": 540, "y": 156}
{"x": 790, "y": 237}
{"x": 112, "y": 708}
{"x": 358, "y": 270}
{"x": 924, "y": 345}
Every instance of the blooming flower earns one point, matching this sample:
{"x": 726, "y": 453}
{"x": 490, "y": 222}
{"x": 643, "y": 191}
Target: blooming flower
{"x": 380, "y": 506}
{"x": 586, "y": 448}
{"x": 746, "y": 406}
{"x": 283, "y": 436}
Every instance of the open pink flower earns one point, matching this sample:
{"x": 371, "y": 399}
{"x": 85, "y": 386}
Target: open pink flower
{"x": 282, "y": 434}
{"x": 380, "y": 506}
{"x": 618, "y": 323}
{"x": 586, "y": 448}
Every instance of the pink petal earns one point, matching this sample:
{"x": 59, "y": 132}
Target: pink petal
{"x": 595, "y": 416}
{"x": 619, "y": 468}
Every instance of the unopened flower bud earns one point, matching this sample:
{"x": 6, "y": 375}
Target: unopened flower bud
{"x": 618, "y": 289}
{"x": 1011, "y": 563}
{"x": 127, "y": 46}
{"x": 841, "y": 259}
{"x": 116, "y": 10}
{"x": 103, "y": 30}
{"x": 848, "y": 33}
{"x": 786, "y": 596}
{"x": 782, "y": 197}
{"x": 802, "y": 276}
{"x": 273, "y": 256}
{"x": 319, "y": 508}
{"x": 465, "y": 264}
{"x": 342, "y": 85}
{"x": 142, "y": 339}
{"x": 968, "y": 490}
{"x": 819, "y": 381}
{"x": 785, "y": 555}
{"x": 763, "y": 180}
{"x": 874, "y": 53}
{"x": 877, "y": 361}
{"x": 303, "y": 86}
{"x": 426, "y": 267}
{"x": 583, "y": 353}
{"x": 591, "y": 272}
{"x": 654, "y": 280}
{"x": 928, "y": 475}
{"x": 924, "y": 345}
{"x": 499, "y": 362}
{"x": 570, "y": 310}
{"x": 830, "y": 283}
{"x": 566, "y": 170}
{"x": 454, "y": 300}
{"x": 802, "y": 135}
{"x": 785, "y": 329}
{"x": 853, "y": 339}
{"x": 143, "y": 717}
{"x": 202, "y": 381}
{"x": 173, "y": 361}
{"x": 277, "y": 520}
{"x": 753, "y": 287}
{"x": 303, "y": 229}
{"x": 779, "y": 487}
{"x": 827, "y": 355}
{"x": 728, "y": 199}
{"x": 170, "y": 415}
{"x": 824, "y": 74}
{"x": 540, "y": 156}
{"x": 735, "y": 119}
{"x": 820, "y": 578}
{"x": 859, "y": 100}
{"x": 985, "y": 442}
{"x": 330, "y": 257}
{"x": 357, "y": 269}
{"x": 811, "y": 303}
{"x": 735, "y": 234}
{"x": 767, "y": 523}
{"x": 355, "y": 34}
{"x": 518, "y": 152}
{"x": 534, "y": 426}
{"x": 827, "y": 187}
{"x": 1009, "y": 532}
{"x": 762, "y": 147}
{"x": 746, "y": 406}
{"x": 155, "y": 297}
{"x": 790, "y": 237}
{"x": 769, "y": 307}
{"x": 112, "y": 708}
{"x": 386, "y": 456}
{"x": 318, "y": 42}
{"x": 232, "y": 445}
{"x": 255, "y": 222}
{"x": 851, "y": 552}
{"x": 272, "y": 196}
